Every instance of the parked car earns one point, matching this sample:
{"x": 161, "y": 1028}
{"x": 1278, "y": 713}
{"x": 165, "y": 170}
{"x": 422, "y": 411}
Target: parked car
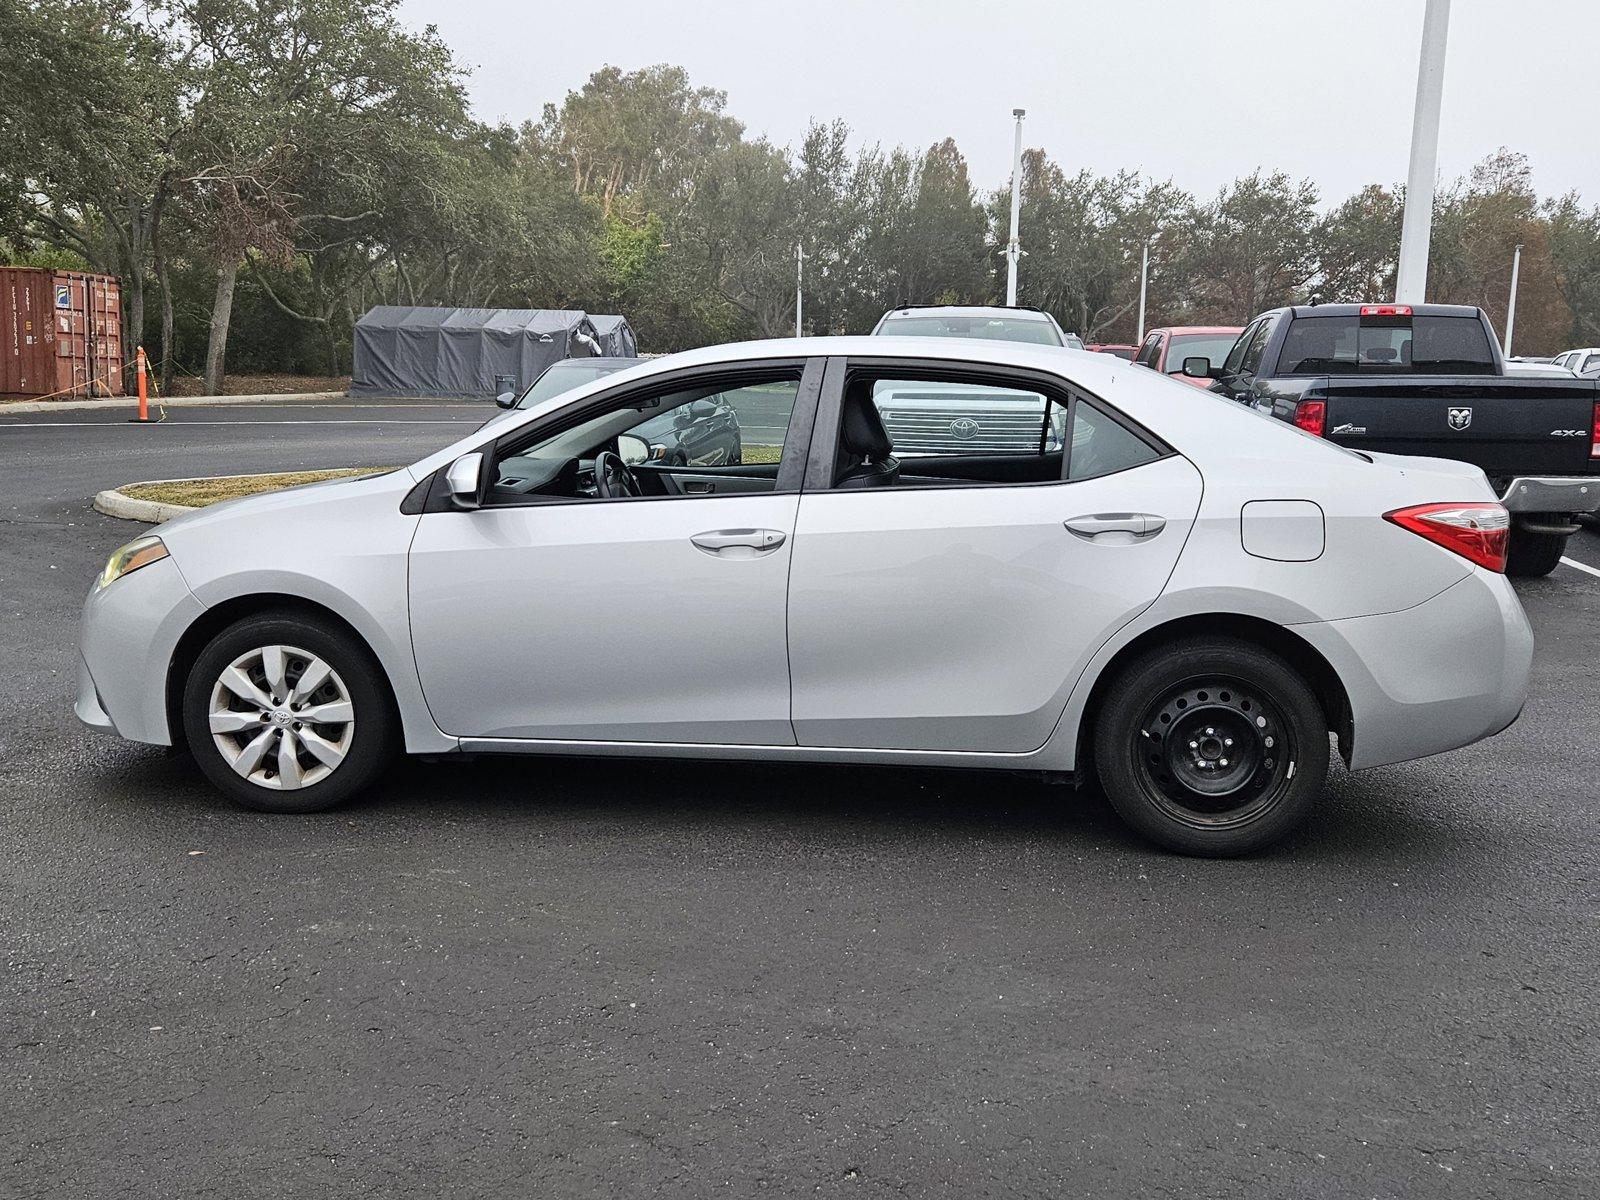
{"x": 929, "y": 417}
{"x": 1574, "y": 360}
{"x": 1184, "y": 600}
{"x": 992, "y": 322}
{"x": 1117, "y": 349}
{"x": 704, "y": 433}
{"x": 1164, "y": 350}
{"x": 1428, "y": 379}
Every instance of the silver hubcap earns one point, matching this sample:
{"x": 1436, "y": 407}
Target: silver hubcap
{"x": 281, "y": 717}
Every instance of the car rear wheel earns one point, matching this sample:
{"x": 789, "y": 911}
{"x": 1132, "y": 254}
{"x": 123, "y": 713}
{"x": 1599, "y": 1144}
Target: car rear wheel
{"x": 1533, "y": 553}
{"x": 288, "y": 714}
{"x": 1212, "y": 746}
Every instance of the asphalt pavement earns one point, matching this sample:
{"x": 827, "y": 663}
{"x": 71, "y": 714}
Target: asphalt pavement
{"x": 568, "y": 978}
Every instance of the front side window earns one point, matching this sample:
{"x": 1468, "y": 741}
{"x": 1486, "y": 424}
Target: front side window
{"x": 1255, "y": 349}
{"x": 1232, "y": 364}
{"x": 1147, "y": 352}
{"x": 675, "y": 441}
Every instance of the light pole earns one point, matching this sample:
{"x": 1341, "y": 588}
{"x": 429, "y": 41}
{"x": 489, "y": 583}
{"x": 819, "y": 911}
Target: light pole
{"x": 799, "y": 283}
{"x": 1014, "y": 246}
{"x": 1511, "y": 305}
{"x": 1144, "y": 279}
{"x": 1411, "y": 281}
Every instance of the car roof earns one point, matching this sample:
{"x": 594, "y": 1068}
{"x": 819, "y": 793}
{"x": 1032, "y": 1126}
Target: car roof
{"x": 999, "y": 310}
{"x": 1177, "y": 329}
{"x": 1354, "y": 310}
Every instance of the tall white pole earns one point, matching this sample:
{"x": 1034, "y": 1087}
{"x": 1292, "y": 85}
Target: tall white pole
{"x": 1511, "y": 305}
{"x": 1014, "y": 246}
{"x": 1144, "y": 278}
{"x": 799, "y": 285}
{"x": 1411, "y": 283}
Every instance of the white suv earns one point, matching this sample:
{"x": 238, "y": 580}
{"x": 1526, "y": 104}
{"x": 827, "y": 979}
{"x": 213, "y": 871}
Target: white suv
{"x": 937, "y": 418}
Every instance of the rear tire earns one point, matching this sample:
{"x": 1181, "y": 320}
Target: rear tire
{"x": 1211, "y": 746}
{"x": 1531, "y": 554}
{"x": 322, "y": 733}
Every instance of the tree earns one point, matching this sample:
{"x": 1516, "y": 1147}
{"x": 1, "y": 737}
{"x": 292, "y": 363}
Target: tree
{"x": 1357, "y": 246}
{"x": 1252, "y": 248}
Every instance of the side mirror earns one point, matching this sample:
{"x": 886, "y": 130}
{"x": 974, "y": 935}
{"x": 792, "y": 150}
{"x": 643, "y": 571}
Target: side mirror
{"x": 506, "y": 399}
{"x": 1199, "y": 367}
{"x": 632, "y": 450}
{"x": 464, "y": 481}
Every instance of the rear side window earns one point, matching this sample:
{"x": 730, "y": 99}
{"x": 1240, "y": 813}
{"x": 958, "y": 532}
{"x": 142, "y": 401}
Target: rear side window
{"x": 1103, "y": 446}
{"x": 1351, "y": 345}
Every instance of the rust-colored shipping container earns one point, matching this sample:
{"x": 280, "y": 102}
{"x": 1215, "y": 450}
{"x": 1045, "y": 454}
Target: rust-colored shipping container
{"x": 60, "y": 333}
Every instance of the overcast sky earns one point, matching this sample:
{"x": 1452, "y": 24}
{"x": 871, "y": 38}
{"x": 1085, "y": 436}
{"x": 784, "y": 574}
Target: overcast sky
{"x": 1198, "y": 91}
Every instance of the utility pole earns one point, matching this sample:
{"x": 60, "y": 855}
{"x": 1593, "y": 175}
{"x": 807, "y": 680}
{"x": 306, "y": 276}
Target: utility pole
{"x": 1411, "y": 282}
{"x": 1014, "y": 246}
{"x": 799, "y": 283}
{"x": 1144, "y": 279}
{"x": 1511, "y": 305}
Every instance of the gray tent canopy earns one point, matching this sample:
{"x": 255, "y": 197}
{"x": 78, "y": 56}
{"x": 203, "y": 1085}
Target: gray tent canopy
{"x": 462, "y": 352}
{"x": 616, "y": 336}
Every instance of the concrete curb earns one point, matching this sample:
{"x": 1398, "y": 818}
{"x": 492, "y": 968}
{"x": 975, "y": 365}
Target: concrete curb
{"x": 132, "y": 404}
{"x": 114, "y": 503}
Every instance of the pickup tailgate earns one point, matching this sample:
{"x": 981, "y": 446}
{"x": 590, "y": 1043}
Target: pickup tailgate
{"x": 1506, "y": 426}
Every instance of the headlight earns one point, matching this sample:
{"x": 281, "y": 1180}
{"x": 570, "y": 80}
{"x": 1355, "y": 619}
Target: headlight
{"x": 140, "y": 552}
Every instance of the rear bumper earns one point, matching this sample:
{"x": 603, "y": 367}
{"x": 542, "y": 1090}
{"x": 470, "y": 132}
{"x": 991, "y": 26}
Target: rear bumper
{"x": 1552, "y": 494}
{"x": 1449, "y": 672}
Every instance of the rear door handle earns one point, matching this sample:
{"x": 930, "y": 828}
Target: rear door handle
{"x": 719, "y": 541}
{"x": 1119, "y": 528}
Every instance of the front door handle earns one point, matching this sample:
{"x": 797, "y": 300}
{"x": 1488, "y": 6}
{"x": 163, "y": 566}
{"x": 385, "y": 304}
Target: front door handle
{"x": 724, "y": 541}
{"x": 1117, "y": 528}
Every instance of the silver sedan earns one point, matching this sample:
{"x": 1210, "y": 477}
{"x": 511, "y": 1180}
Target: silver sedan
{"x": 1170, "y": 593}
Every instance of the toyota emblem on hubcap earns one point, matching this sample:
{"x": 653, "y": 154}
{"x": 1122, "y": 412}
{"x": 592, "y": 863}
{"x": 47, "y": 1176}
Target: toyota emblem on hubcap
{"x": 964, "y": 428}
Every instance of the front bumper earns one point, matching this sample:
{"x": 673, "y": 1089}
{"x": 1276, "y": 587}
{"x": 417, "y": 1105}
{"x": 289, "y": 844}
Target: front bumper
{"x": 1444, "y": 674}
{"x": 128, "y": 635}
{"x": 1552, "y": 494}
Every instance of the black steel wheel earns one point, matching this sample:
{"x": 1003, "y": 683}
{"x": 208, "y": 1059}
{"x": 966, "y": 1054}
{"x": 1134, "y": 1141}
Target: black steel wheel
{"x": 1212, "y": 746}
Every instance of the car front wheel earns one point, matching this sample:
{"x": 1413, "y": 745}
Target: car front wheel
{"x": 288, "y": 714}
{"x": 1212, "y": 746}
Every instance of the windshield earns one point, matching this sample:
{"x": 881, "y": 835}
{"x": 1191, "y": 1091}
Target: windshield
{"x": 993, "y": 329}
{"x": 1214, "y": 346}
{"x": 564, "y": 376}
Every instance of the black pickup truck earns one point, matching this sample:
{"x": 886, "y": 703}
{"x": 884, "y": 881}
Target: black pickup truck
{"x": 1428, "y": 379}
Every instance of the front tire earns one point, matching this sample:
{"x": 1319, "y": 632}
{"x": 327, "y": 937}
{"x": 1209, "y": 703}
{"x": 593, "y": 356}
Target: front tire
{"x": 1212, "y": 746}
{"x": 288, "y": 714}
{"x": 1532, "y": 553}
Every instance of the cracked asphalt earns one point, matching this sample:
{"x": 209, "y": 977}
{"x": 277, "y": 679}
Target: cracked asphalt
{"x": 568, "y": 978}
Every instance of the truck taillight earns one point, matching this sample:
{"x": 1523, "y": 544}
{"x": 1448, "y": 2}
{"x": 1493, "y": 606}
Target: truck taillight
{"x": 1477, "y": 532}
{"x": 1310, "y": 415}
{"x": 1386, "y": 310}
{"x": 1594, "y": 434}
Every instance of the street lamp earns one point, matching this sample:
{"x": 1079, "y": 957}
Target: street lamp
{"x": 1511, "y": 305}
{"x": 1411, "y": 281}
{"x": 1014, "y": 246}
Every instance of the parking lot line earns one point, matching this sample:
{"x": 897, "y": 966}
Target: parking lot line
{"x": 1585, "y": 567}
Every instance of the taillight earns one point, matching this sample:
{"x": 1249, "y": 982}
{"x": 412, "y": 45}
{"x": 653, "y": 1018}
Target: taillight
{"x": 1594, "y": 434}
{"x": 1478, "y": 532}
{"x": 1310, "y": 415}
{"x": 1386, "y": 310}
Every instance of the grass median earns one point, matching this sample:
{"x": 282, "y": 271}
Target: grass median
{"x": 197, "y": 493}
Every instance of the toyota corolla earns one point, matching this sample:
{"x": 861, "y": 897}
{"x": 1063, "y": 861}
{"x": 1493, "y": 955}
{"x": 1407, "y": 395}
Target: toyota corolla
{"x": 1186, "y": 600}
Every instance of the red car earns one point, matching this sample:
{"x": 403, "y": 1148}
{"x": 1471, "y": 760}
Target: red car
{"x": 1165, "y": 349}
{"x": 1117, "y": 348}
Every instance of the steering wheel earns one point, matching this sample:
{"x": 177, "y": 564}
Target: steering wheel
{"x": 612, "y": 478}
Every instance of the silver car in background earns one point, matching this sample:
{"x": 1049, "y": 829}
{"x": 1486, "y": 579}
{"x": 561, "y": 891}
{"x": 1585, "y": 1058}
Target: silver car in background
{"x": 1181, "y": 600}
